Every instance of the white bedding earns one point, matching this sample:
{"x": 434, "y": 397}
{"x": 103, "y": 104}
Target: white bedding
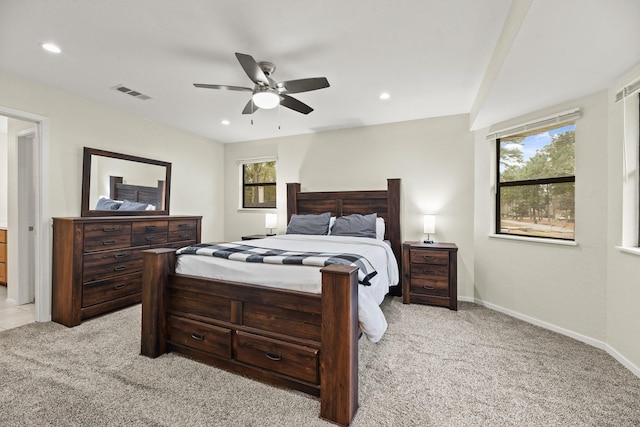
{"x": 308, "y": 278}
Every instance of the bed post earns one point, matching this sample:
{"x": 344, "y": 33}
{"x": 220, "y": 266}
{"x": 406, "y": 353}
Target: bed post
{"x": 293, "y": 188}
{"x": 339, "y": 348}
{"x": 156, "y": 266}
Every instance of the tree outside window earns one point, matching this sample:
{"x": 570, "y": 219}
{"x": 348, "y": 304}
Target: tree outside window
{"x": 536, "y": 183}
{"x": 259, "y": 185}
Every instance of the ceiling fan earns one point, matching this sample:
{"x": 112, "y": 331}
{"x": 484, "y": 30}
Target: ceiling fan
{"x": 267, "y": 93}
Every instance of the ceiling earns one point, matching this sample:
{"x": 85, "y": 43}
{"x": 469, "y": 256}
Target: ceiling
{"x": 494, "y": 59}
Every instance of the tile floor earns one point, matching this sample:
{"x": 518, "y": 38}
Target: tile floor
{"x": 12, "y": 316}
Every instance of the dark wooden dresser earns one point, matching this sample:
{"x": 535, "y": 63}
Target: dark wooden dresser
{"x": 429, "y": 274}
{"x": 97, "y": 261}
{"x": 3, "y": 256}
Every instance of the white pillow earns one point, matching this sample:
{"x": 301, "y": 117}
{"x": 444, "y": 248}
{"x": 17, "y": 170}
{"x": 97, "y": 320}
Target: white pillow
{"x": 380, "y": 228}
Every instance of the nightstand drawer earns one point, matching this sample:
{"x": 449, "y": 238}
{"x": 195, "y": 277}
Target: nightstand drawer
{"x": 429, "y": 278}
{"x": 425, "y": 256}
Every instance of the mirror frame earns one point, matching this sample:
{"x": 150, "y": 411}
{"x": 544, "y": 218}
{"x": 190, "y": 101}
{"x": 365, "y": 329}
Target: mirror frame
{"x": 86, "y": 183}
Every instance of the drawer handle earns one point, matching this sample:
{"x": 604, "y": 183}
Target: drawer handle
{"x": 183, "y": 225}
{"x": 428, "y": 287}
{"x": 428, "y": 257}
{"x": 151, "y": 227}
{"x": 120, "y": 286}
{"x": 184, "y": 235}
{"x": 108, "y": 229}
{"x": 197, "y": 336}
{"x": 108, "y": 242}
{"x": 118, "y": 256}
{"x": 273, "y": 356}
{"x": 119, "y": 268}
{"x": 151, "y": 238}
{"x": 428, "y": 271}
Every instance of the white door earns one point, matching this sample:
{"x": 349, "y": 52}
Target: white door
{"x": 26, "y": 216}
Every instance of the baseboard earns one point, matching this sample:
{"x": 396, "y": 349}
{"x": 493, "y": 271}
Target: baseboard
{"x": 583, "y": 338}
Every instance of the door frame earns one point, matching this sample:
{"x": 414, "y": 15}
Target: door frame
{"x": 42, "y": 226}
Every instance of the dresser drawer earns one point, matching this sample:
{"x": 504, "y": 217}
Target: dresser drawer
{"x": 182, "y": 235}
{"x": 110, "y": 289}
{"x": 200, "y": 336}
{"x": 103, "y": 243}
{"x": 102, "y": 230}
{"x": 183, "y": 230}
{"x": 3, "y": 236}
{"x": 3, "y": 272}
{"x": 289, "y": 359}
{"x": 425, "y": 256}
{"x": 101, "y": 265}
{"x": 149, "y": 233}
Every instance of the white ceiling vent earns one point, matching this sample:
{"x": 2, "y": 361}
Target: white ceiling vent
{"x": 134, "y": 93}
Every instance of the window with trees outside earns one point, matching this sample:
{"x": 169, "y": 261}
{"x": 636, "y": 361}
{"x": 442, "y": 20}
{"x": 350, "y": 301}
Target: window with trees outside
{"x": 259, "y": 184}
{"x": 535, "y": 194}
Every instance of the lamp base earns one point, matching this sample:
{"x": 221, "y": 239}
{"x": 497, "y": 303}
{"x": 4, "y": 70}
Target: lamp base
{"x": 428, "y": 241}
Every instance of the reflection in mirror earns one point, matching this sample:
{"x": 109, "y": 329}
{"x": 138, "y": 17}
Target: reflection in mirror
{"x": 120, "y": 184}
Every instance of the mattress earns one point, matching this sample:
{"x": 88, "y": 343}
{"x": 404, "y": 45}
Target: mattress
{"x": 307, "y": 278}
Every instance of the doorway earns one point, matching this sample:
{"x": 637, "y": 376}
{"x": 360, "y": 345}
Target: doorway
{"x": 27, "y": 212}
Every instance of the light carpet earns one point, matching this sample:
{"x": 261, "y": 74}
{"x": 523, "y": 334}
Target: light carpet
{"x": 434, "y": 367}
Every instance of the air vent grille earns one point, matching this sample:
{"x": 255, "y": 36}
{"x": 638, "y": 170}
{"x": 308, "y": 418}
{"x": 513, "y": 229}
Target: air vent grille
{"x": 131, "y": 92}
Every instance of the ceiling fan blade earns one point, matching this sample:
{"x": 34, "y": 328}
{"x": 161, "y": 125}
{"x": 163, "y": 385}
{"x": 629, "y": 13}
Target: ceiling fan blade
{"x": 304, "y": 85}
{"x": 252, "y": 69}
{"x": 250, "y": 108}
{"x": 225, "y": 87}
{"x": 294, "y": 104}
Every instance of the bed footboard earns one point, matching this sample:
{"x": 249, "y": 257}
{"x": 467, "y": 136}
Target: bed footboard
{"x": 293, "y": 339}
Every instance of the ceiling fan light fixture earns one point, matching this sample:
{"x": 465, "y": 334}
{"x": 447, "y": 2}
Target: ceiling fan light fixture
{"x": 266, "y": 100}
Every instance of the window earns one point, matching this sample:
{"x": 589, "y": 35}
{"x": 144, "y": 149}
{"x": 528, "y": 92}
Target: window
{"x": 536, "y": 183}
{"x": 259, "y": 184}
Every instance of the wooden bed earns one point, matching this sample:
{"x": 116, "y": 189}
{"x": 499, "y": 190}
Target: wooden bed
{"x": 137, "y": 193}
{"x": 298, "y": 340}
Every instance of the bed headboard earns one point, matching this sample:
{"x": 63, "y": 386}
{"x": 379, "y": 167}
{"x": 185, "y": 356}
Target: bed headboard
{"x": 386, "y": 203}
{"x": 137, "y": 193}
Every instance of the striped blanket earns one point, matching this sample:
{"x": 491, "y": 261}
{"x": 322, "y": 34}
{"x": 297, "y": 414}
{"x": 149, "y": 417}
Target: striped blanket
{"x": 246, "y": 253}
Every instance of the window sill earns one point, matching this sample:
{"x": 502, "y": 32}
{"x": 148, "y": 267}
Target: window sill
{"x": 264, "y": 210}
{"x": 534, "y": 240}
{"x": 628, "y": 249}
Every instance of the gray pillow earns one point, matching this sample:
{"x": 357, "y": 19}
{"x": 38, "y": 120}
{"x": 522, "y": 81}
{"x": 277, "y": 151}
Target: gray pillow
{"x": 309, "y": 224}
{"x": 355, "y": 225}
{"x": 132, "y": 206}
{"x": 106, "y": 204}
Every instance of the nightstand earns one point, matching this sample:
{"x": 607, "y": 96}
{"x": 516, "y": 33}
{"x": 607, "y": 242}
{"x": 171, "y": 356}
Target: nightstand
{"x": 429, "y": 274}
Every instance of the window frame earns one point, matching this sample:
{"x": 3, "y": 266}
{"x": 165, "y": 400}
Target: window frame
{"x": 529, "y": 183}
{"x": 244, "y": 185}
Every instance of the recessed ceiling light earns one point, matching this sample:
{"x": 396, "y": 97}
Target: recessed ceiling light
{"x": 384, "y": 95}
{"x": 50, "y": 47}
{"x": 225, "y": 122}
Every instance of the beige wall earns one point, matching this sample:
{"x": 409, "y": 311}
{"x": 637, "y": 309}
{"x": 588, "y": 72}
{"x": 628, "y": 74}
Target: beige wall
{"x": 433, "y": 157}
{"x": 76, "y": 122}
{"x": 623, "y": 269}
{"x": 563, "y": 286}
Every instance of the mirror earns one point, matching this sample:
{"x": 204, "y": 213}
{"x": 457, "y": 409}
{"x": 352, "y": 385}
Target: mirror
{"x": 120, "y": 184}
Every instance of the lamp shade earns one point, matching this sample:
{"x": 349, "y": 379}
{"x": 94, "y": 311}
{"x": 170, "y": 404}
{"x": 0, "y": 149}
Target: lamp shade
{"x": 429, "y": 224}
{"x": 270, "y": 220}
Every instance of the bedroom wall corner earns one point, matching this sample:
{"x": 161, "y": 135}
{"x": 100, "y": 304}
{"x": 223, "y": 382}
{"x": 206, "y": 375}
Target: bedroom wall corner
{"x": 623, "y": 268}
{"x": 558, "y": 285}
{"x": 433, "y": 157}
